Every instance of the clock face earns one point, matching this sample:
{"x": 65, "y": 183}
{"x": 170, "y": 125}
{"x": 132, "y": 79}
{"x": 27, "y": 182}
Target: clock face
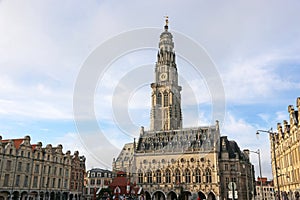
{"x": 163, "y": 76}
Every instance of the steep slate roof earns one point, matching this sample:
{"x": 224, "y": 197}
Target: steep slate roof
{"x": 232, "y": 148}
{"x": 99, "y": 170}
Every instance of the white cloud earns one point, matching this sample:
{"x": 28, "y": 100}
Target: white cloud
{"x": 253, "y": 81}
{"x": 271, "y": 120}
{"x": 35, "y": 101}
{"x": 97, "y": 152}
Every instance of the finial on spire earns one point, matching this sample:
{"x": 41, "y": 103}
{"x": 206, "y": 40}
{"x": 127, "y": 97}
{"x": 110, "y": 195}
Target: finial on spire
{"x": 167, "y": 22}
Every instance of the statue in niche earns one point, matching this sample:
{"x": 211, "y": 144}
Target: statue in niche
{"x": 212, "y": 138}
{"x": 208, "y": 144}
{"x": 204, "y": 136}
{"x": 199, "y": 143}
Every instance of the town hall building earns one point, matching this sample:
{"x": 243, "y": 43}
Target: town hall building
{"x": 170, "y": 161}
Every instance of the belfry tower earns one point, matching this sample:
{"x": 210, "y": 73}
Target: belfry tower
{"x": 166, "y": 99}
{"x": 170, "y": 162}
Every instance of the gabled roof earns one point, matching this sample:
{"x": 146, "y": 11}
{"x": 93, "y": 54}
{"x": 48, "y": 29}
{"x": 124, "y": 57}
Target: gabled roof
{"x": 33, "y": 146}
{"x": 120, "y": 180}
{"x": 17, "y": 142}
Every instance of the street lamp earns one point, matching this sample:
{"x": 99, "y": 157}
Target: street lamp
{"x": 260, "y": 174}
{"x": 272, "y": 134}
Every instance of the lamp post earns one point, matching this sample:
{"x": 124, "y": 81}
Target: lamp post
{"x": 260, "y": 174}
{"x": 273, "y": 134}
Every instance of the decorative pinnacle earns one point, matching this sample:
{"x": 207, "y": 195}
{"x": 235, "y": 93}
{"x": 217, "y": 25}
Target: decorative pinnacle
{"x": 167, "y": 22}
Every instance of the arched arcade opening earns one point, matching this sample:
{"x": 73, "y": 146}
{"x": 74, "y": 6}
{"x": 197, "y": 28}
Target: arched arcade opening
{"x": 147, "y": 195}
{"x": 158, "y": 195}
{"x": 211, "y": 196}
{"x": 201, "y": 195}
{"x": 172, "y": 196}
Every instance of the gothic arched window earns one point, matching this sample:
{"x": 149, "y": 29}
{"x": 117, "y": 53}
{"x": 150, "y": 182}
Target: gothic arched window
{"x": 177, "y": 176}
{"x": 168, "y": 176}
{"x": 166, "y": 99}
{"x": 158, "y": 176}
{"x": 141, "y": 177}
{"x": 149, "y": 177}
{"x": 208, "y": 175}
{"x": 187, "y": 176}
{"x": 158, "y": 100}
{"x": 198, "y": 176}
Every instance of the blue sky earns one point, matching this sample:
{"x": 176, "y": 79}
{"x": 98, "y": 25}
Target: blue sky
{"x": 44, "y": 44}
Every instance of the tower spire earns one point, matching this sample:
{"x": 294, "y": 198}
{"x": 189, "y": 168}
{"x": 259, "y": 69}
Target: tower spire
{"x": 167, "y": 22}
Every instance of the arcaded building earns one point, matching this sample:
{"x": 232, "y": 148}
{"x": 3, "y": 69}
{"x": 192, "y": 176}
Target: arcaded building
{"x": 170, "y": 161}
{"x": 30, "y": 171}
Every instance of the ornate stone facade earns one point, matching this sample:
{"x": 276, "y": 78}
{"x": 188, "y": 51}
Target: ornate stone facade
{"x": 30, "y": 171}
{"x": 77, "y": 176}
{"x": 178, "y": 162}
{"x": 287, "y": 150}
